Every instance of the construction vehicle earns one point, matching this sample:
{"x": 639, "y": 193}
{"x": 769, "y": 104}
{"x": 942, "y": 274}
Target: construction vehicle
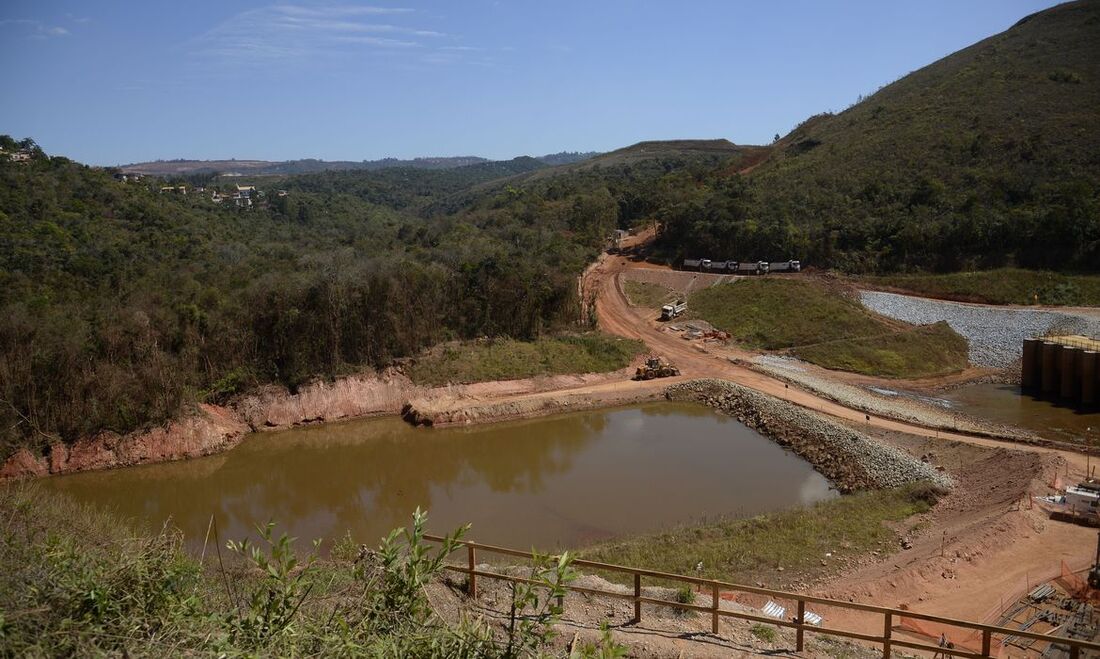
{"x": 784, "y": 266}
{"x": 740, "y": 267}
{"x": 655, "y": 367}
{"x": 752, "y": 268}
{"x": 670, "y": 311}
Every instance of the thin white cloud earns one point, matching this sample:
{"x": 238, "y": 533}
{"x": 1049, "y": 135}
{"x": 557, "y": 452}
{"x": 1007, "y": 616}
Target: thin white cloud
{"x": 345, "y": 10}
{"x": 295, "y": 31}
{"x": 36, "y": 29}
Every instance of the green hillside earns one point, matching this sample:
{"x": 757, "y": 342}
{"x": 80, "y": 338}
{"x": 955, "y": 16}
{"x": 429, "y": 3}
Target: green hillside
{"x": 989, "y": 157}
{"x": 121, "y": 304}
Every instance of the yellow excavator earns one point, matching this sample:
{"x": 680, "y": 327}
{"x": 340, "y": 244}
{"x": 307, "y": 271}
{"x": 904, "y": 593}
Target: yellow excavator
{"x": 655, "y": 367}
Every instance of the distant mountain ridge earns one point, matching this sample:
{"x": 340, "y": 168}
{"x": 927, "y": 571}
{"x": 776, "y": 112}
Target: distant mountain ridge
{"x": 234, "y": 167}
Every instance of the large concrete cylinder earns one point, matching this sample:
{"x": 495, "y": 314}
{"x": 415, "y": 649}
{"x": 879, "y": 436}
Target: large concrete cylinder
{"x": 1070, "y": 362}
{"x": 1049, "y": 375}
{"x": 1031, "y": 364}
{"x": 1089, "y": 361}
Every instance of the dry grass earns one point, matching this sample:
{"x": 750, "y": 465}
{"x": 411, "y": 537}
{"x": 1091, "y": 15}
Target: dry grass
{"x": 751, "y": 550}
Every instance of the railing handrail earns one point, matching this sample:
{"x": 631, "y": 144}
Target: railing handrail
{"x": 716, "y": 585}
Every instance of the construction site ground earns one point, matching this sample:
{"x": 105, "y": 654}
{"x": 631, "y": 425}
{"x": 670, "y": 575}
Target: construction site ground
{"x": 980, "y": 548}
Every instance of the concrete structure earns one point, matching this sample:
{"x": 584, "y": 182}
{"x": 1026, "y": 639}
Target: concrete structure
{"x": 1062, "y": 368}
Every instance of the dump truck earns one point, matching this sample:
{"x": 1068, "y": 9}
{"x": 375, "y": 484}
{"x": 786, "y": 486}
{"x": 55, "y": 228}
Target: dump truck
{"x": 752, "y": 268}
{"x": 784, "y": 266}
{"x": 670, "y": 311}
{"x": 655, "y": 367}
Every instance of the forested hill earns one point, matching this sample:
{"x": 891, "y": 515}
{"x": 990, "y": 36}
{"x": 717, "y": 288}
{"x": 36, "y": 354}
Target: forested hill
{"x": 184, "y": 167}
{"x": 988, "y": 157}
{"x": 122, "y": 303}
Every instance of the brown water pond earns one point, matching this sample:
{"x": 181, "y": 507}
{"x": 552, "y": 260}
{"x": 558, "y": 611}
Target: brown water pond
{"x": 1004, "y": 403}
{"x": 552, "y": 482}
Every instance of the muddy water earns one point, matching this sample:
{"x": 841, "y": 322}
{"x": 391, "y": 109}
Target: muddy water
{"x": 559, "y": 481}
{"x": 1004, "y": 403}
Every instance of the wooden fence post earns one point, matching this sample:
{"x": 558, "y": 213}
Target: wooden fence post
{"x": 987, "y": 638}
{"x": 887, "y": 629}
{"x": 472, "y": 583}
{"x": 637, "y": 594}
{"x": 800, "y": 633}
{"x": 714, "y": 610}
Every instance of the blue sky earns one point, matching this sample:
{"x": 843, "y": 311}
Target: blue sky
{"x": 110, "y": 83}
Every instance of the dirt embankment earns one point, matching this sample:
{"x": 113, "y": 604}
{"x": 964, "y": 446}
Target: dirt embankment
{"x": 441, "y": 411}
{"x": 210, "y": 429}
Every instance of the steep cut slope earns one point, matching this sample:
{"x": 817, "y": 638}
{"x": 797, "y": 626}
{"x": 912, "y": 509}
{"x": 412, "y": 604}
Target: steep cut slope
{"x": 990, "y": 156}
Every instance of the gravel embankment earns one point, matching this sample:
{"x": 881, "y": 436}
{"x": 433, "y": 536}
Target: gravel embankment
{"x": 850, "y": 459}
{"x": 996, "y": 335}
{"x": 890, "y": 404}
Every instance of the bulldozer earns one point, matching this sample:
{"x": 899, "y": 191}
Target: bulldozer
{"x": 655, "y": 367}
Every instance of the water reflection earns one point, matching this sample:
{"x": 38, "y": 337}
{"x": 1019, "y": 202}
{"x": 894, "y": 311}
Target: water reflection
{"x": 547, "y": 482}
{"x": 1005, "y": 403}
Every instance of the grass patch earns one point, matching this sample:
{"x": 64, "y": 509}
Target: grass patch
{"x": 506, "y": 359}
{"x": 750, "y": 550}
{"x": 1003, "y": 286}
{"x": 650, "y": 296}
{"x": 781, "y": 313}
{"x": 924, "y": 351}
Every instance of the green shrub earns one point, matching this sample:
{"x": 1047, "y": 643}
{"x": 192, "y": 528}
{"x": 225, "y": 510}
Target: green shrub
{"x": 765, "y": 633}
{"x": 78, "y": 582}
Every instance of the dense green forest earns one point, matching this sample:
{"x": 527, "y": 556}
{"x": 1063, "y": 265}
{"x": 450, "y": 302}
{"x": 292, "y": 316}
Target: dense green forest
{"x": 989, "y": 157}
{"x": 122, "y": 304}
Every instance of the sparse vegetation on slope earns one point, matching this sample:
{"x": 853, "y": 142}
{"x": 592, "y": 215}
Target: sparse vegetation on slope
{"x": 650, "y": 296}
{"x": 507, "y": 359}
{"x": 828, "y": 326}
{"x": 1003, "y": 286}
{"x": 914, "y": 352}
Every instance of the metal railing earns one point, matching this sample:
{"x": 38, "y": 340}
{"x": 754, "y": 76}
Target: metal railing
{"x": 1072, "y": 341}
{"x": 889, "y": 615}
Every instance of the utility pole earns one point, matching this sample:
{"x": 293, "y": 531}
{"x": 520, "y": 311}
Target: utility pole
{"x": 1088, "y": 453}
